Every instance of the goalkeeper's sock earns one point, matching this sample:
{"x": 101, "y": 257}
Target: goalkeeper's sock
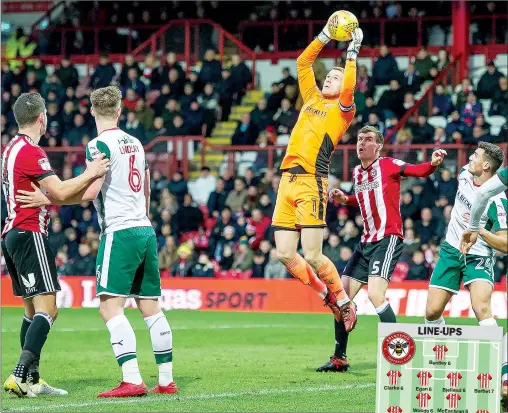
{"x": 123, "y": 341}
{"x": 330, "y": 276}
{"x": 162, "y": 345}
{"x": 488, "y": 322}
{"x": 504, "y": 366}
{"x": 385, "y": 313}
{"x": 341, "y": 337}
{"x": 25, "y": 324}
{"x": 299, "y": 268}
{"x": 439, "y": 321}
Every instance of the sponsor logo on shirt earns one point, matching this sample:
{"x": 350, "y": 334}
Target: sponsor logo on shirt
{"x": 44, "y": 164}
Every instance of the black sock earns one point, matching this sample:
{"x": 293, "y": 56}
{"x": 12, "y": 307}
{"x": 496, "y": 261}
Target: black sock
{"x": 25, "y": 361}
{"x": 387, "y": 315}
{"x": 37, "y": 334}
{"x": 33, "y": 372}
{"x": 341, "y": 337}
{"x": 24, "y": 328}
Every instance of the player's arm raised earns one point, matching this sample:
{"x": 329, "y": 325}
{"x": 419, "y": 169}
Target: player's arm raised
{"x": 425, "y": 169}
{"x": 304, "y": 62}
{"x": 346, "y": 99}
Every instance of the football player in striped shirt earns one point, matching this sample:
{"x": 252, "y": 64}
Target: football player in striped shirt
{"x": 377, "y": 193}
{"x": 25, "y": 246}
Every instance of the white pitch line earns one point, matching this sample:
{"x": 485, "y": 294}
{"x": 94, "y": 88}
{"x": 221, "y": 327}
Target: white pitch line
{"x": 205, "y": 396}
{"x": 209, "y": 327}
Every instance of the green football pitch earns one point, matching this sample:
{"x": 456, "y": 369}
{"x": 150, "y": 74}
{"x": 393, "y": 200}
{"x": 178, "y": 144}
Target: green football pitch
{"x": 222, "y": 362}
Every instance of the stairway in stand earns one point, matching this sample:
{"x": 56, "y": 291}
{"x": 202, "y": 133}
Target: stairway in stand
{"x": 222, "y": 134}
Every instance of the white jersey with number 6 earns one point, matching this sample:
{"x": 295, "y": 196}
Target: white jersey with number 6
{"x": 121, "y": 201}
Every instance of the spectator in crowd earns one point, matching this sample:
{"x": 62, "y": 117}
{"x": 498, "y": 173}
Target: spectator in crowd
{"x": 217, "y": 199}
{"x": 178, "y": 127}
{"x": 78, "y": 132}
{"x": 479, "y": 135}
{"x": 455, "y": 124}
{"x": 170, "y": 111}
{"x": 392, "y": 100}
{"x": 158, "y": 129}
{"x": 203, "y": 267}
{"x": 67, "y": 74}
{"x": 426, "y": 227}
{"x": 409, "y": 101}
{"x": 345, "y": 255}
{"x": 130, "y": 100}
{"x": 385, "y": 68}
{"x": 442, "y": 102}
{"x": 103, "y": 74}
{"x": 178, "y": 186}
{"x": 133, "y": 127}
{"x": 144, "y": 114}
{"x": 189, "y": 96}
{"x": 243, "y": 256}
{"x": 209, "y": 101}
{"x": 183, "y": 266}
{"x": 410, "y": 243}
{"x": 489, "y": 82}
{"x": 440, "y": 136}
{"x": 161, "y": 100}
{"x": 225, "y": 91}
{"x": 274, "y": 269}
{"x": 260, "y": 117}
{"x": 374, "y": 121}
{"x": 411, "y": 79}
{"x": 470, "y": 109}
{"x": 167, "y": 255}
{"x": 364, "y": 83}
{"x": 134, "y": 83}
{"x": 241, "y": 77}
{"x": 258, "y": 265}
{"x": 84, "y": 264}
{"x": 194, "y": 119}
{"x": 285, "y": 118}
{"x": 246, "y": 132}
{"x": 210, "y": 68}
{"x": 422, "y": 132}
{"x": 423, "y": 63}
{"x": 462, "y": 91}
{"x": 129, "y": 63}
{"x": 57, "y": 238}
{"x": 499, "y": 104}
{"x": 175, "y": 83}
{"x": 200, "y": 191}
{"x": 447, "y": 186}
{"x": 332, "y": 249}
{"x": 172, "y": 63}
{"x": 51, "y": 84}
{"x": 408, "y": 208}
{"x": 236, "y": 198}
{"x": 418, "y": 271}
{"x": 275, "y": 98}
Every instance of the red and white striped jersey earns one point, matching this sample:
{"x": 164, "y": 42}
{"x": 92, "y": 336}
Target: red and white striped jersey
{"x": 394, "y": 409}
{"x": 454, "y": 379}
{"x": 423, "y": 399}
{"x": 377, "y": 190}
{"x": 440, "y": 352}
{"x": 394, "y": 376}
{"x": 24, "y": 162}
{"x": 453, "y": 400}
{"x": 424, "y": 377}
{"x": 484, "y": 379}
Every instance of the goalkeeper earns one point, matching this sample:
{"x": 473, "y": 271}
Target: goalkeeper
{"x": 300, "y": 209}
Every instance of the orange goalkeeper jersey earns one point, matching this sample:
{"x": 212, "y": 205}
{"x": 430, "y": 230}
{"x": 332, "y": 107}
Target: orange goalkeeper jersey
{"x": 322, "y": 122}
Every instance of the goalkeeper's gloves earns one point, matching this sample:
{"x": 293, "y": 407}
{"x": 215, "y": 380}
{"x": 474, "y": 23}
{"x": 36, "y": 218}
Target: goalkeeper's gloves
{"x": 355, "y": 44}
{"x": 324, "y": 37}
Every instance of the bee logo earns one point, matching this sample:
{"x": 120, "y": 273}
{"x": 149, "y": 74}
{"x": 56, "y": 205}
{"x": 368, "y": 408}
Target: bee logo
{"x": 398, "y": 348}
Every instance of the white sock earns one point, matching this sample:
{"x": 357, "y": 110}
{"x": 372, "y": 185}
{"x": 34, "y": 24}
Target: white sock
{"x": 123, "y": 341}
{"x": 439, "y": 321}
{"x": 382, "y": 307}
{"x": 504, "y": 366}
{"x": 162, "y": 345}
{"x": 488, "y": 322}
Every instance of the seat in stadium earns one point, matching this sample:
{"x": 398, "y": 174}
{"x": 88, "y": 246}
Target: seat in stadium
{"x": 437, "y": 121}
{"x": 486, "y": 103}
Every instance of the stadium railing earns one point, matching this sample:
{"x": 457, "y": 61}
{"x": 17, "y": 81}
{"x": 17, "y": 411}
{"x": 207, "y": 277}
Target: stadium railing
{"x": 158, "y": 44}
{"x": 415, "y": 27}
{"x": 186, "y": 158}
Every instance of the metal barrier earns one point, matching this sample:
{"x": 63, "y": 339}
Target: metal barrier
{"x": 343, "y": 160}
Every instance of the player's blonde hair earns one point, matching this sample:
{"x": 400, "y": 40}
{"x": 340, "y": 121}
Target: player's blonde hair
{"x": 340, "y": 69}
{"x": 106, "y": 101}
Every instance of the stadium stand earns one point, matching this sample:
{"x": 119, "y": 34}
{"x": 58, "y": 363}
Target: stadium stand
{"x": 215, "y": 220}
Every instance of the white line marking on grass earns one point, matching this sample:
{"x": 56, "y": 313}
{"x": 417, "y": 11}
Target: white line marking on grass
{"x": 209, "y": 327}
{"x": 205, "y": 396}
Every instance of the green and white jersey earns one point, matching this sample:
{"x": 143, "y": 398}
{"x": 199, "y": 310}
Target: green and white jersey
{"x": 121, "y": 202}
{"x": 503, "y": 176}
{"x": 493, "y": 218}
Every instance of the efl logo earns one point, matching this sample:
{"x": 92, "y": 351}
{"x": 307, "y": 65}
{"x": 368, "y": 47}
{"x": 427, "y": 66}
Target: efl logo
{"x": 398, "y": 348}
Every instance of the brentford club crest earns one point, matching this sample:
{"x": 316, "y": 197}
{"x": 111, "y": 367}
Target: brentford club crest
{"x": 398, "y": 348}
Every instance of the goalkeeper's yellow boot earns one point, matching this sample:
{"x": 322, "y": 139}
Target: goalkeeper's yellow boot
{"x": 14, "y": 385}
{"x": 41, "y": 387}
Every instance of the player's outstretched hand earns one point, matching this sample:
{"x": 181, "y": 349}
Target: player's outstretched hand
{"x": 34, "y": 199}
{"x": 98, "y": 167}
{"x": 468, "y": 240}
{"x": 438, "y": 157}
{"x": 338, "y": 196}
{"x": 354, "y": 45}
